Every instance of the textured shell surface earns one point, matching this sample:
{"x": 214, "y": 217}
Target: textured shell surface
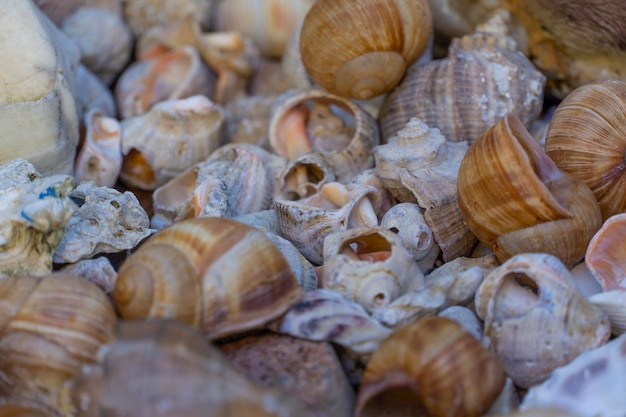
{"x": 38, "y": 91}
{"x": 171, "y": 137}
{"x": 371, "y": 266}
{"x": 605, "y": 253}
{"x": 143, "y": 14}
{"x": 107, "y": 221}
{"x": 33, "y": 213}
{"x": 482, "y": 79}
{"x": 98, "y": 270}
{"x": 303, "y": 270}
{"x": 535, "y": 319}
{"x": 419, "y": 165}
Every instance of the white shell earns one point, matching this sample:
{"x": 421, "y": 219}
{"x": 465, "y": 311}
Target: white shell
{"x": 613, "y": 303}
{"x": 107, "y": 222}
{"x": 466, "y": 318}
{"x": 97, "y": 270}
{"x": 38, "y": 114}
{"x": 92, "y": 94}
{"x": 33, "y": 213}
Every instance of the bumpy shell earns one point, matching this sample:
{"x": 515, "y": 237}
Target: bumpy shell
{"x": 362, "y": 49}
{"x": 535, "y": 319}
{"x": 165, "y": 368}
{"x": 38, "y": 110}
{"x": 515, "y": 199}
{"x": 215, "y": 274}
{"x": 482, "y": 79}
{"x": 317, "y": 121}
{"x": 269, "y": 23}
{"x": 419, "y": 165}
{"x": 61, "y": 320}
{"x": 171, "y": 137}
{"x": 431, "y": 366}
{"x": 587, "y": 138}
{"x": 371, "y": 266}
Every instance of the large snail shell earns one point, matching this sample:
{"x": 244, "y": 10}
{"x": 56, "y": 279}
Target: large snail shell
{"x": 587, "y": 138}
{"x": 432, "y": 365}
{"x": 482, "y": 79}
{"x": 361, "y": 49}
{"x": 535, "y": 319}
{"x": 515, "y": 199}
{"x": 61, "y": 321}
{"x": 216, "y": 274}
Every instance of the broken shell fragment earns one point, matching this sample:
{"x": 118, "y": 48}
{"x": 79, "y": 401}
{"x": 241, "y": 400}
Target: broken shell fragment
{"x": 107, "y": 221}
{"x": 605, "y": 255}
{"x": 535, "y": 319}
{"x": 33, "y": 213}
{"x": 97, "y": 270}
{"x": 371, "y": 266}
{"x": 171, "y": 137}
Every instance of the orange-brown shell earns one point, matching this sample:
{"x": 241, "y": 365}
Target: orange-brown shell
{"x": 216, "y": 274}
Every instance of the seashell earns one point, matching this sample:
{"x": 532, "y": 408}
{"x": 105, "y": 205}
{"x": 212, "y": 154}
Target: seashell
{"x": 453, "y": 283}
{"x": 516, "y": 200}
{"x": 335, "y": 207}
{"x": 269, "y": 23}
{"x": 294, "y": 71}
{"x": 100, "y": 157}
{"x": 92, "y": 94}
{"x": 538, "y": 412}
{"x": 586, "y": 139}
{"x": 107, "y": 221}
{"x": 455, "y": 18}
{"x": 171, "y": 137}
{"x": 317, "y": 121}
{"x": 584, "y": 280}
{"x": 266, "y": 220}
{"x": 38, "y": 91}
{"x": 97, "y": 270}
{"x": 61, "y": 321}
{"x": 306, "y": 175}
{"x": 370, "y": 266}
{"x": 362, "y": 50}
{"x": 247, "y": 120}
{"x": 466, "y": 318}
{"x": 420, "y": 166}
{"x": 233, "y": 181}
{"x": 535, "y": 319}
{"x": 174, "y": 373}
{"x": 22, "y": 408}
{"x": 302, "y": 269}
{"x": 605, "y": 253}
{"x": 104, "y": 39}
{"x": 33, "y": 213}
{"x": 407, "y": 220}
{"x": 447, "y": 373}
{"x": 173, "y": 75}
{"x": 482, "y": 79}
{"x": 57, "y": 12}
{"x": 590, "y": 385}
{"x": 325, "y": 315}
{"x": 215, "y": 274}
{"x": 143, "y": 14}
{"x": 613, "y": 303}
{"x": 508, "y": 401}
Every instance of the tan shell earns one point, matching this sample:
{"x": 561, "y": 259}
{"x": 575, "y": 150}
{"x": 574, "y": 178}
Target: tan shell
{"x": 171, "y": 137}
{"x": 516, "y": 200}
{"x": 362, "y": 50}
{"x": 535, "y": 319}
{"x": 419, "y": 165}
{"x": 215, "y": 274}
{"x": 61, "y": 320}
{"x": 173, "y": 75}
{"x": 482, "y": 79}
{"x": 430, "y": 367}
{"x": 316, "y": 121}
{"x": 143, "y": 14}
{"x": 371, "y": 266}
{"x": 587, "y": 138}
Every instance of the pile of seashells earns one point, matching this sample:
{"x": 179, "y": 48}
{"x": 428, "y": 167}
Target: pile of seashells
{"x": 392, "y": 207}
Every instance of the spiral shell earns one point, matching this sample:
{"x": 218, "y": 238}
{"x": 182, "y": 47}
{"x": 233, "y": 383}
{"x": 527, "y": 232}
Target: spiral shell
{"x": 362, "y": 49}
{"x": 587, "y": 138}
{"x": 215, "y": 274}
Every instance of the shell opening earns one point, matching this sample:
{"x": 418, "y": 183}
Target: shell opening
{"x": 394, "y": 394}
{"x": 517, "y": 295}
{"x": 302, "y": 179}
{"x": 371, "y": 247}
{"x": 136, "y": 170}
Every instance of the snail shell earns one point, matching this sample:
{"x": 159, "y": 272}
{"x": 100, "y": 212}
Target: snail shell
{"x": 482, "y": 79}
{"x": 587, "y": 138}
{"x": 361, "y": 49}
{"x": 431, "y": 365}
{"x": 215, "y": 274}
{"x": 515, "y": 199}
{"x": 535, "y": 319}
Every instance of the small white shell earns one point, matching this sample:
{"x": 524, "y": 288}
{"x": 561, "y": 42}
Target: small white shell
{"x": 33, "y": 213}
{"x": 97, "y": 270}
{"x": 107, "y": 222}
{"x": 613, "y": 303}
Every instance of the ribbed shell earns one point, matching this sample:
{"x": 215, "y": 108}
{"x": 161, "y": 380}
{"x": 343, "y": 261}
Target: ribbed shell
{"x": 479, "y": 82}
{"x": 587, "y": 138}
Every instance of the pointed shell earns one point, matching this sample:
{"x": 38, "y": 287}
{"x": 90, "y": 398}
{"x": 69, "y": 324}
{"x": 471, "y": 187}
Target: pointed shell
{"x": 431, "y": 366}
{"x": 216, "y": 274}
{"x": 535, "y": 319}
{"x": 481, "y": 80}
